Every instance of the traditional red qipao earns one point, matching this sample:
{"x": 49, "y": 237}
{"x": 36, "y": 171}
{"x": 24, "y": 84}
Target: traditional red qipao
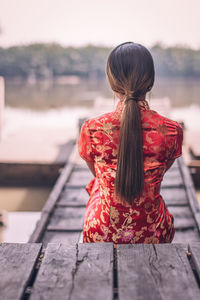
{"x": 147, "y": 220}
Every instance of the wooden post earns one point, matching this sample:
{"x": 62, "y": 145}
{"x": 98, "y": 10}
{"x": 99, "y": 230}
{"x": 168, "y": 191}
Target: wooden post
{"x": 2, "y": 103}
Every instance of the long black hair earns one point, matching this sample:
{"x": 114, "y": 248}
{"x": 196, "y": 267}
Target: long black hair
{"x": 130, "y": 72}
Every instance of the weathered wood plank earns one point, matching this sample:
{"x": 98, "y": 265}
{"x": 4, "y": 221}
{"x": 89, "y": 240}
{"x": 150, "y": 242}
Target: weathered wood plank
{"x": 17, "y": 263}
{"x": 82, "y": 271}
{"x": 174, "y": 196}
{"x": 29, "y": 174}
{"x": 80, "y": 178}
{"x": 95, "y": 273}
{"x": 73, "y": 197}
{"x": 184, "y": 223}
{"x": 51, "y": 201}
{"x": 183, "y": 217}
{"x": 155, "y": 272}
{"x": 172, "y": 178}
{"x": 186, "y": 236}
{"x": 81, "y": 166}
{"x": 194, "y": 248}
{"x": 190, "y": 191}
{"x": 67, "y": 218}
{"x": 174, "y": 166}
{"x": 135, "y": 280}
{"x": 58, "y": 237}
{"x": 2, "y": 104}
{"x": 180, "y": 211}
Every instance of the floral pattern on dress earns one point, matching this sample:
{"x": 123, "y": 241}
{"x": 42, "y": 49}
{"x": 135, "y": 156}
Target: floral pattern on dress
{"x": 107, "y": 218}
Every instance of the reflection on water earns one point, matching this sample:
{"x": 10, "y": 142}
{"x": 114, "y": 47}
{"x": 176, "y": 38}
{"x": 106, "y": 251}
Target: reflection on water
{"x": 23, "y": 198}
{"x": 41, "y": 96}
{"x": 181, "y": 91}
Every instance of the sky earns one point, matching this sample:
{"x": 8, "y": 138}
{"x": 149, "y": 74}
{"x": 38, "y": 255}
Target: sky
{"x": 100, "y": 22}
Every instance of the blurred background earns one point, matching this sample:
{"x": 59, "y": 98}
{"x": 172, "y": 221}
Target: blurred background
{"x": 52, "y": 67}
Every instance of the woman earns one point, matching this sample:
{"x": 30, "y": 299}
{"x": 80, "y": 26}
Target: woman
{"x": 128, "y": 151}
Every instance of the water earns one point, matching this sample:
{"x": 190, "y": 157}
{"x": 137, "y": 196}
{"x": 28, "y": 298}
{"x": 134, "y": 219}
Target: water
{"x": 23, "y": 198}
{"x": 48, "y": 108}
{"x": 19, "y": 226}
{"x": 50, "y": 120}
{"x": 21, "y": 208}
{"x": 182, "y": 91}
{"x": 56, "y": 106}
{"x": 46, "y": 95}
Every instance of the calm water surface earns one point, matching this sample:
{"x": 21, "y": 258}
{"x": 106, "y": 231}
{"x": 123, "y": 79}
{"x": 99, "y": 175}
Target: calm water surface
{"x": 44, "y": 95}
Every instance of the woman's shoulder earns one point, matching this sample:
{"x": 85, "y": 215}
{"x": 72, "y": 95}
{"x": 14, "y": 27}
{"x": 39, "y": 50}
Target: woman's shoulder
{"x": 164, "y": 121}
{"x": 173, "y": 126}
{"x": 99, "y": 121}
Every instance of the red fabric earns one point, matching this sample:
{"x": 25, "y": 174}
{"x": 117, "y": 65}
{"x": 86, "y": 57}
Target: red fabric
{"x": 147, "y": 220}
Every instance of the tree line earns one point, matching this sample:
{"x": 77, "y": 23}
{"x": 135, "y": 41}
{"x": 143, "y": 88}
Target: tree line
{"x": 51, "y": 60}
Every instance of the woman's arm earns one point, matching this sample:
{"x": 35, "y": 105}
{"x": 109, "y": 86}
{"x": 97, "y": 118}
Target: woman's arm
{"x": 91, "y": 167}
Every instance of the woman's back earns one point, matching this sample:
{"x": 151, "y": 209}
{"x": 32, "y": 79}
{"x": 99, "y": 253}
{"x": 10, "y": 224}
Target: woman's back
{"x": 128, "y": 151}
{"x": 107, "y": 217}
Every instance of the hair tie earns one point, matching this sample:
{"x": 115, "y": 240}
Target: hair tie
{"x": 131, "y": 99}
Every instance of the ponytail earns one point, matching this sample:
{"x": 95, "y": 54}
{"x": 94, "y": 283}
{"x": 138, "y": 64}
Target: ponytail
{"x": 129, "y": 181}
{"x": 130, "y": 72}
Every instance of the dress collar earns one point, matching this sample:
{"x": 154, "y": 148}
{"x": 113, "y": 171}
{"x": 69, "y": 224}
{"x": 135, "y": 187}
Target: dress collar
{"x": 142, "y": 104}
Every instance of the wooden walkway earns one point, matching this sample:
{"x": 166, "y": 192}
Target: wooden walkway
{"x": 97, "y": 271}
{"x": 62, "y": 216}
{"x": 56, "y": 265}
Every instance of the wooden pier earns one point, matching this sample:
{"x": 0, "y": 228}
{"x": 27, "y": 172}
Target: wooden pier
{"x": 97, "y": 271}
{"x": 63, "y": 214}
{"x": 55, "y": 264}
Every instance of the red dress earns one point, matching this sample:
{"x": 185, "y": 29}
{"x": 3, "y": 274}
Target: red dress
{"x": 147, "y": 220}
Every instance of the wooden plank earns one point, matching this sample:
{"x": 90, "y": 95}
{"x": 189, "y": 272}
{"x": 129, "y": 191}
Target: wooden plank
{"x": 82, "y": 271}
{"x": 180, "y": 211}
{"x": 80, "y": 178}
{"x": 155, "y": 272}
{"x": 2, "y": 103}
{"x": 29, "y": 174}
{"x": 67, "y": 218}
{"x": 172, "y": 178}
{"x": 51, "y": 201}
{"x": 73, "y": 197}
{"x": 183, "y": 217}
{"x": 195, "y": 163}
{"x": 174, "y": 196}
{"x": 184, "y": 223}
{"x": 174, "y": 166}
{"x": 135, "y": 280}
{"x": 81, "y": 166}
{"x": 60, "y": 237}
{"x": 95, "y": 276}
{"x": 17, "y": 263}
{"x": 190, "y": 191}
{"x": 186, "y": 236}
{"x": 194, "y": 248}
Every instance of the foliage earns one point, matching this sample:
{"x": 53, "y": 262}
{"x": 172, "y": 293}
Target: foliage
{"x": 50, "y": 60}
{"x": 176, "y": 61}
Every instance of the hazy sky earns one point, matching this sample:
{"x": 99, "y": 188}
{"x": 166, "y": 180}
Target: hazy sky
{"x": 107, "y": 22}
